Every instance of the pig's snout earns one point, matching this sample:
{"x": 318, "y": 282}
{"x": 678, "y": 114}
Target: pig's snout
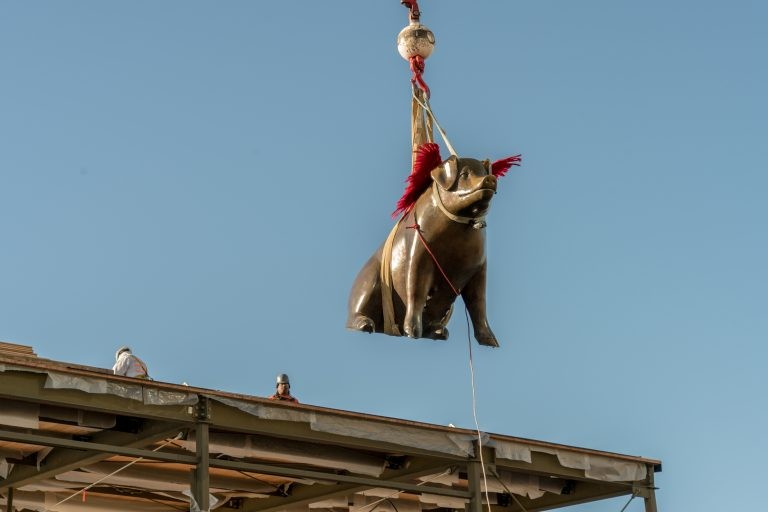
{"x": 489, "y": 182}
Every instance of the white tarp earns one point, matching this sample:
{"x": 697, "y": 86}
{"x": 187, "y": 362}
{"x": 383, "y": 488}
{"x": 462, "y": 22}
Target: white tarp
{"x": 598, "y": 467}
{"x": 143, "y": 393}
{"x": 431, "y": 440}
{"x": 278, "y": 450}
{"x": 521, "y": 484}
{"x": 42, "y": 502}
{"x": 19, "y": 414}
{"x": 139, "y": 391}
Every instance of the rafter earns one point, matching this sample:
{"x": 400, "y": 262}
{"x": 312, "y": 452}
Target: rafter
{"x": 66, "y": 459}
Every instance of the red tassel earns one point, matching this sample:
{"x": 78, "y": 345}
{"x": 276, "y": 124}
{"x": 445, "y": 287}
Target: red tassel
{"x": 427, "y": 158}
{"x": 500, "y": 167}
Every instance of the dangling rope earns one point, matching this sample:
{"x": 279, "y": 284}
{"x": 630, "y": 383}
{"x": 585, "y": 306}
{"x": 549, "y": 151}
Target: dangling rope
{"x": 474, "y": 412}
{"x": 417, "y": 228}
{"x": 428, "y": 109}
{"x": 415, "y": 47}
{"x": 415, "y": 43}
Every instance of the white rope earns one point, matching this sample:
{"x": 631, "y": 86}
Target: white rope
{"x": 474, "y": 410}
{"x": 46, "y": 509}
{"x": 425, "y": 105}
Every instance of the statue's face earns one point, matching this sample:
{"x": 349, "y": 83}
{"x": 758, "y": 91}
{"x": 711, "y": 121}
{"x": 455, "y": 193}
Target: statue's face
{"x": 468, "y": 185}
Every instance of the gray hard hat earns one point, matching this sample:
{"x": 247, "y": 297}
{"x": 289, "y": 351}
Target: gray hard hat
{"x": 283, "y": 379}
{"x": 124, "y": 348}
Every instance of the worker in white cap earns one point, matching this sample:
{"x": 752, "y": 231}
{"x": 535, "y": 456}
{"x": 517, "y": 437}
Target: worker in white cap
{"x": 283, "y": 391}
{"x": 129, "y": 365}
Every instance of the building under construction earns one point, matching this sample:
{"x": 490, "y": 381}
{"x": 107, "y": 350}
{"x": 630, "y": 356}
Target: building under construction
{"x": 77, "y": 438}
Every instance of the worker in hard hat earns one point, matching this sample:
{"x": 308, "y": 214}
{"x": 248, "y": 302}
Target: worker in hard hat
{"x": 129, "y": 365}
{"x": 283, "y": 392}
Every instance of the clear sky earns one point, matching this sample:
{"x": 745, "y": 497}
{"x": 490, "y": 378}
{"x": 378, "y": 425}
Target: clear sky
{"x": 203, "y": 180}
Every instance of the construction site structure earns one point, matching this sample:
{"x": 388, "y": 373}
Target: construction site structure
{"x": 77, "y": 438}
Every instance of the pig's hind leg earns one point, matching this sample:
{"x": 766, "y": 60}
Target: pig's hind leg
{"x": 365, "y": 313}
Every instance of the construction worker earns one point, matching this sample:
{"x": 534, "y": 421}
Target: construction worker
{"x": 283, "y": 392}
{"x": 129, "y": 365}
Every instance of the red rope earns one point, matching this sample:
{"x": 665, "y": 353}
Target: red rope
{"x": 417, "y": 67}
{"x": 426, "y": 246}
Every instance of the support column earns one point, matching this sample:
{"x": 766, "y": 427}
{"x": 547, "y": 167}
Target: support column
{"x": 475, "y": 475}
{"x": 650, "y": 497}
{"x": 475, "y": 485}
{"x": 9, "y": 503}
{"x": 200, "y": 475}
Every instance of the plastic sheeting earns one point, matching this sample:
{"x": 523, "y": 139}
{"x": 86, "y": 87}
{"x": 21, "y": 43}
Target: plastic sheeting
{"x": 595, "y": 466}
{"x": 244, "y": 446}
{"x": 143, "y": 393}
{"x": 431, "y": 440}
{"x": 422, "y": 501}
{"x": 365, "y": 502}
{"x": 42, "y": 502}
{"x": 156, "y": 477}
{"x": 148, "y": 395}
{"x": 603, "y": 468}
{"x": 532, "y": 486}
{"x": 19, "y": 414}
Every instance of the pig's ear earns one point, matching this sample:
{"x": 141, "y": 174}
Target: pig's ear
{"x": 445, "y": 174}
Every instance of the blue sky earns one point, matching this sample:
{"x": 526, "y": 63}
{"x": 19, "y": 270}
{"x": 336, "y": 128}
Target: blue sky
{"x": 203, "y": 180}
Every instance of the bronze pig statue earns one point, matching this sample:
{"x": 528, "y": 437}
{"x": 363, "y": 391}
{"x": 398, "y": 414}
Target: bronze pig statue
{"x": 434, "y": 253}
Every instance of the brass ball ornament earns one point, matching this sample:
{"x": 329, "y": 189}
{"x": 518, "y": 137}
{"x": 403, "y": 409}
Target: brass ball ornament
{"x": 415, "y": 39}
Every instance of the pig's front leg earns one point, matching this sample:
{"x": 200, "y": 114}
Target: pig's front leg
{"x": 418, "y": 282}
{"x": 474, "y": 298}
